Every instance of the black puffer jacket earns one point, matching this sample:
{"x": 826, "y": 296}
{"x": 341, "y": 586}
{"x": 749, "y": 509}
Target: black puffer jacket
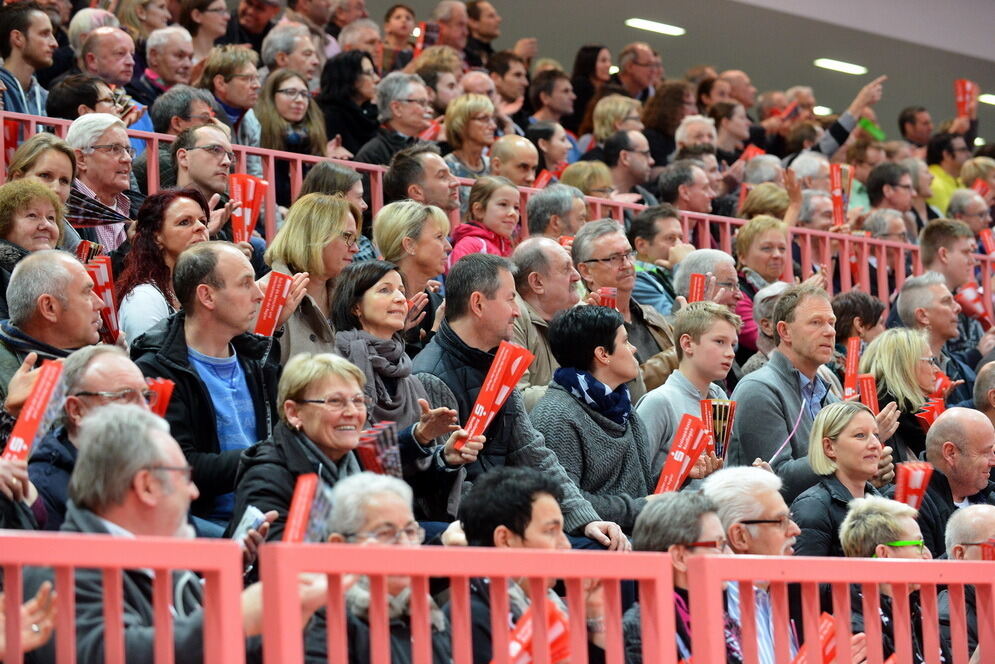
{"x": 819, "y": 512}
{"x": 381, "y": 148}
{"x": 163, "y": 352}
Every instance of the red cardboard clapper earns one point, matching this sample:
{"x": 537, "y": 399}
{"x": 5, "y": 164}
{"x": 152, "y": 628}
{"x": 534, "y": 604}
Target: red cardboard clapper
{"x": 250, "y": 191}
{"x": 941, "y": 384}
{"x": 689, "y": 442}
{"x": 867, "y": 384}
{"x": 608, "y": 297}
{"x": 510, "y": 362}
{"x": 750, "y": 152}
{"x": 696, "y": 289}
{"x": 86, "y": 251}
{"x": 964, "y": 93}
{"x": 163, "y": 389}
{"x": 987, "y": 241}
{"x": 433, "y": 131}
{"x": 840, "y": 183}
{"x": 378, "y": 450}
{"x": 718, "y": 416}
{"x": 827, "y": 644}
{"x": 911, "y": 480}
{"x": 310, "y": 507}
{"x": 542, "y": 179}
{"x": 971, "y": 301}
{"x": 988, "y": 550}
{"x": 43, "y": 406}
{"x": 100, "y": 272}
{"x": 981, "y": 187}
{"x": 273, "y": 301}
{"x": 850, "y": 371}
{"x": 930, "y": 410}
{"x": 566, "y": 241}
{"x": 520, "y": 642}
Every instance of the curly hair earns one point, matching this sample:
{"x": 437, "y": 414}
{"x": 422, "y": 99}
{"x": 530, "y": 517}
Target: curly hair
{"x": 665, "y": 109}
{"x": 144, "y": 263}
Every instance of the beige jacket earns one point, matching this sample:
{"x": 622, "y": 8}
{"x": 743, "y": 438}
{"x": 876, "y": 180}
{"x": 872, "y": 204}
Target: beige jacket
{"x": 531, "y": 331}
{"x": 307, "y": 330}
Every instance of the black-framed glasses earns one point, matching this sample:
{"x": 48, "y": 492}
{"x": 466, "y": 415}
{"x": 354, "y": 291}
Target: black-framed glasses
{"x": 337, "y": 404}
{"x": 127, "y": 395}
{"x": 908, "y": 187}
{"x": 218, "y": 151}
{"x": 392, "y": 535}
{"x": 115, "y": 149}
{"x": 187, "y": 471}
{"x": 783, "y": 522}
{"x": 293, "y": 93}
{"x": 203, "y": 117}
{"x": 615, "y": 260}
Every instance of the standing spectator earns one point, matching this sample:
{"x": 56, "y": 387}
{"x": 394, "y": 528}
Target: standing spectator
{"x": 485, "y": 27}
{"x": 590, "y": 71}
{"x": 492, "y": 219}
{"x": 454, "y": 25}
{"x": 169, "y": 53}
{"x": 399, "y": 23}
{"x": 864, "y": 156}
{"x": 922, "y": 181}
{"x": 915, "y": 125}
{"x": 627, "y": 154}
{"x": 636, "y": 70}
{"x": 552, "y": 97}
{"x": 207, "y": 21}
{"x": 515, "y": 158}
{"x": 404, "y": 111}
{"x": 26, "y": 45}
{"x": 845, "y": 450}
{"x": 945, "y": 154}
{"x": 230, "y": 74}
{"x": 289, "y": 46}
{"x": 348, "y": 88}
{"x": 470, "y": 130}
{"x": 662, "y": 115}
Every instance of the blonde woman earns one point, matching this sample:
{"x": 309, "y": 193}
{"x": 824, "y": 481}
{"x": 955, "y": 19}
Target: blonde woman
{"x": 594, "y": 179}
{"x": 761, "y": 250}
{"x": 141, "y": 17}
{"x": 765, "y": 199}
{"x": 48, "y": 159}
{"x": 611, "y": 113}
{"x": 319, "y": 237}
{"x": 414, "y": 237}
{"x": 844, "y": 448}
{"x": 470, "y": 126}
{"x": 903, "y": 366}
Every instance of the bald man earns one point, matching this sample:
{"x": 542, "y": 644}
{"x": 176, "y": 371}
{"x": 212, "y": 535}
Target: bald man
{"x": 961, "y": 447}
{"x": 515, "y": 158}
{"x": 965, "y": 529}
{"x": 984, "y": 391}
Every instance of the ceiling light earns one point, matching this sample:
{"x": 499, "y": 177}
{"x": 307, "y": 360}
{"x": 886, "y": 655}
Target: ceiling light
{"x": 978, "y": 142}
{"x": 416, "y": 32}
{"x": 654, "y": 26}
{"x": 613, "y": 69}
{"x": 840, "y": 66}
{"x": 822, "y": 110}
{"x": 987, "y": 99}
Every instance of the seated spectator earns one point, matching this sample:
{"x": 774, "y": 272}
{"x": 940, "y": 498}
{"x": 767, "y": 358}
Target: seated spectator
{"x": 635, "y": 64}
{"x": 763, "y": 315}
{"x": 67, "y": 59}
{"x": 550, "y": 140}
{"x": 695, "y": 130}
{"x": 671, "y": 103}
{"x": 225, "y": 378}
{"x": 142, "y": 17}
{"x": 492, "y": 218}
{"x": 49, "y": 160}
{"x": 517, "y": 508}
{"x": 94, "y": 377}
{"x": 516, "y": 158}
{"x": 545, "y": 279}
{"x": 289, "y": 46}
{"x": 290, "y": 121}
{"x": 315, "y": 15}
{"x": 890, "y": 185}
{"x": 657, "y": 235}
{"x": 863, "y": 155}
{"x": 348, "y": 88}
{"x": 329, "y": 178}
{"x": 586, "y": 414}
{"x": 52, "y": 311}
{"x": 470, "y": 130}
{"x": 767, "y": 200}
{"x": 593, "y": 179}
{"x": 960, "y": 446}
{"x": 628, "y": 156}
{"x": 179, "y": 108}
{"x": 686, "y": 186}
{"x": 255, "y": 20}
{"x": 169, "y": 53}
{"x": 556, "y": 211}
{"x": 925, "y": 303}
{"x": 229, "y": 73}
{"x": 103, "y": 164}
{"x": 317, "y": 241}
{"x": 168, "y": 223}
{"x": 122, "y": 450}
{"x": 404, "y": 113}
{"x": 719, "y": 265}
{"x": 984, "y": 391}
{"x": 613, "y": 113}
{"x": 413, "y": 236}
{"x": 604, "y": 257}
{"x": 812, "y": 171}
{"x": 733, "y": 129}
{"x": 706, "y": 336}
{"x": 683, "y": 525}
{"x": 79, "y": 94}
{"x": 23, "y": 56}
{"x": 30, "y": 220}
{"x": 967, "y": 529}
{"x": 443, "y": 87}
{"x": 480, "y": 310}
{"x": 886, "y": 224}
{"x": 421, "y": 174}
{"x": 857, "y": 315}
{"x": 480, "y": 83}
{"x": 207, "y": 21}
{"x": 399, "y": 23}
{"x": 369, "y": 509}
{"x": 816, "y": 212}
{"x": 876, "y": 527}
{"x": 945, "y": 155}
{"x": 845, "y": 450}
{"x": 761, "y": 250}
{"x": 968, "y": 206}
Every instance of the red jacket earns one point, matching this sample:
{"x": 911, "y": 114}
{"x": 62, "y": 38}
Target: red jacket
{"x": 472, "y": 238}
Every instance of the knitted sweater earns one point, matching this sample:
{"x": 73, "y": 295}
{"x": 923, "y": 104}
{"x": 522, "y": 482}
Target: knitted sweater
{"x": 607, "y": 461}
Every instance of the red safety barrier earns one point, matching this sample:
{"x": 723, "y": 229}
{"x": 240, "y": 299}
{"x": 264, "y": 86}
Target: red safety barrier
{"x": 708, "y": 574}
{"x": 219, "y": 562}
{"x": 281, "y": 563}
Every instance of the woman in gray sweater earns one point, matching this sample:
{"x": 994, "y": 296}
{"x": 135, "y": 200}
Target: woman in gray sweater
{"x": 587, "y": 417}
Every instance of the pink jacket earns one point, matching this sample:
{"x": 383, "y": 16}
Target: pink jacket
{"x": 472, "y": 238}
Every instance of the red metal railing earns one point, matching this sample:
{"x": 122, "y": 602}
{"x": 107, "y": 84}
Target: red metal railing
{"x": 219, "y": 561}
{"x": 708, "y": 574}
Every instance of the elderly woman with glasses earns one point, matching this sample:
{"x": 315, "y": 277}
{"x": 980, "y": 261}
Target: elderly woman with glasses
{"x": 374, "y": 510}
{"x": 470, "y": 129}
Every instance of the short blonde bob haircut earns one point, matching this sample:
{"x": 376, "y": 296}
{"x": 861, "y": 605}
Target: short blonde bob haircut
{"x": 30, "y": 151}
{"x": 588, "y": 176}
{"x": 753, "y": 229}
{"x": 977, "y": 168}
{"x": 766, "y": 198}
{"x": 458, "y": 115}
{"x": 830, "y": 423}
{"x": 305, "y": 369}
{"x": 312, "y": 222}
{"x": 611, "y": 111}
{"x": 891, "y": 358}
{"x": 17, "y": 195}
{"x": 401, "y": 220}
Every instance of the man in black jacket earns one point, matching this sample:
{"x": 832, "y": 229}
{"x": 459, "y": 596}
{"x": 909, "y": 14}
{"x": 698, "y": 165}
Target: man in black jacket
{"x": 405, "y": 112}
{"x": 967, "y": 529}
{"x": 480, "y": 313}
{"x": 222, "y": 373}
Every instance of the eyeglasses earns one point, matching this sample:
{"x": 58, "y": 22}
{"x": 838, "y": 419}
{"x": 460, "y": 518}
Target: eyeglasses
{"x": 392, "y": 535}
{"x": 203, "y": 117}
{"x": 117, "y": 151}
{"x": 728, "y": 285}
{"x": 783, "y": 522}
{"x": 339, "y": 404}
{"x": 349, "y": 238}
{"x": 186, "y": 470}
{"x": 929, "y": 360}
{"x": 217, "y": 151}
{"x": 127, "y": 395}
{"x": 294, "y": 93}
{"x": 484, "y": 119}
{"x": 247, "y": 77}
{"x": 615, "y": 260}
{"x": 909, "y": 187}
{"x": 897, "y": 544}
{"x": 420, "y": 102}
{"x": 645, "y": 153}
{"x": 719, "y": 544}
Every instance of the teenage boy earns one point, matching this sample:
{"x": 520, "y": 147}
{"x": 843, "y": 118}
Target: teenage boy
{"x": 706, "y": 335}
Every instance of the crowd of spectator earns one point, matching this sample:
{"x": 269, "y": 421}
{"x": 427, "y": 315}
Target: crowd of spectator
{"x": 394, "y": 314}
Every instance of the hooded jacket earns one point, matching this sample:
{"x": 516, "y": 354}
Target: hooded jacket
{"x": 52, "y": 462}
{"x": 472, "y": 238}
